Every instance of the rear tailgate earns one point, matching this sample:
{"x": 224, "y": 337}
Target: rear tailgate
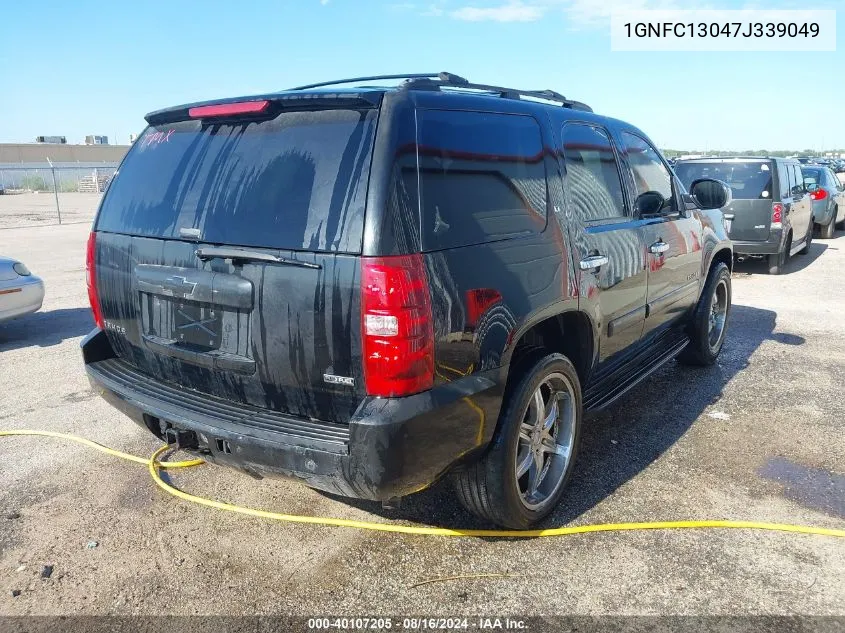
{"x": 227, "y": 257}
{"x": 749, "y": 220}
{"x": 749, "y": 215}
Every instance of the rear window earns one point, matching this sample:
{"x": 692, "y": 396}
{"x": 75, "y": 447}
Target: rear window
{"x": 813, "y": 175}
{"x": 482, "y": 177}
{"x": 298, "y": 181}
{"x": 749, "y": 180}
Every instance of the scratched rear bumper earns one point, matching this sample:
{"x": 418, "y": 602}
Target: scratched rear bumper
{"x": 392, "y": 447}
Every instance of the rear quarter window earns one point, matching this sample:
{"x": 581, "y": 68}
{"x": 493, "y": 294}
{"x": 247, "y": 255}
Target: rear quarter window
{"x": 481, "y": 177}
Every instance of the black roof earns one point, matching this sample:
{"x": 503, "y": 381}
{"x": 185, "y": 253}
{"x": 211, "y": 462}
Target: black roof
{"x": 444, "y": 83}
{"x": 447, "y": 80}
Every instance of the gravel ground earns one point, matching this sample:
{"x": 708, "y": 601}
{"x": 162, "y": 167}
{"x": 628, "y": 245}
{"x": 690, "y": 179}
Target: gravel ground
{"x": 39, "y": 209}
{"x": 757, "y": 437}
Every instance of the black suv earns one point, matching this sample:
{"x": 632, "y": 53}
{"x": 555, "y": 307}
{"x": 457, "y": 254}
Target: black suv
{"x": 368, "y": 288}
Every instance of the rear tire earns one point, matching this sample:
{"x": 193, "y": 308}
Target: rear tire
{"x": 523, "y": 474}
{"x": 709, "y": 322}
{"x": 826, "y": 232}
{"x": 777, "y": 261}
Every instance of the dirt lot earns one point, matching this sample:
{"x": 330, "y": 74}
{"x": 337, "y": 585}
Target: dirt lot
{"x": 758, "y": 437}
{"x": 39, "y": 209}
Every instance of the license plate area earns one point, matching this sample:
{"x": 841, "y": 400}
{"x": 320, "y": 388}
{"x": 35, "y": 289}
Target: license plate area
{"x": 197, "y": 325}
{"x": 200, "y": 317}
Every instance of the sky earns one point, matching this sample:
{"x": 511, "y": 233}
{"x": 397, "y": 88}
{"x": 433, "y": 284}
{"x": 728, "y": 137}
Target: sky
{"x": 83, "y": 67}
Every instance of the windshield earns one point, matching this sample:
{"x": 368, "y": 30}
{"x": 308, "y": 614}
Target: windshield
{"x": 297, "y": 181}
{"x": 748, "y": 180}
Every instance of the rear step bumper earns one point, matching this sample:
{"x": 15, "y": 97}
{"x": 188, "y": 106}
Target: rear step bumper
{"x": 769, "y": 247}
{"x": 391, "y": 447}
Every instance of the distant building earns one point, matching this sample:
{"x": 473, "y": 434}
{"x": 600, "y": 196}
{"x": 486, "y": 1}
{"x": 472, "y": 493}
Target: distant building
{"x": 51, "y": 139}
{"x": 62, "y": 155}
{"x": 92, "y": 139}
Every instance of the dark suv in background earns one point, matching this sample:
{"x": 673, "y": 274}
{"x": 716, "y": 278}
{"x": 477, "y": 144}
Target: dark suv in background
{"x": 368, "y": 288}
{"x": 770, "y": 213}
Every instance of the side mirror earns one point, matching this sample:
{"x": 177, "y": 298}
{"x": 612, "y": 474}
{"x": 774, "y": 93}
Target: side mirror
{"x": 710, "y": 194}
{"x": 649, "y": 203}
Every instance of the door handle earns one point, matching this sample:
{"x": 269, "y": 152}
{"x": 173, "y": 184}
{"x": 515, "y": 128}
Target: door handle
{"x": 659, "y": 247}
{"x": 593, "y": 262}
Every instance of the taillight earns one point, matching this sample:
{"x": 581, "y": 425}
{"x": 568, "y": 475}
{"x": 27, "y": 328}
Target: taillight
{"x": 819, "y": 194}
{"x": 228, "y": 109}
{"x": 396, "y": 326}
{"x": 777, "y": 215}
{"x": 91, "y": 279}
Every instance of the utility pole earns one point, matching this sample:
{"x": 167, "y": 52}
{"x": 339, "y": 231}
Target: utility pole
{"x": 55, "y": 189}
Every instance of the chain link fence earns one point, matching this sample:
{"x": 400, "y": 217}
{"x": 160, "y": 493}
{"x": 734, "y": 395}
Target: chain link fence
{"x": 39, "y": 195}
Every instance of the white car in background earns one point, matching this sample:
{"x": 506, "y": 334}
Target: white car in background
{"x": 21, "y": 292}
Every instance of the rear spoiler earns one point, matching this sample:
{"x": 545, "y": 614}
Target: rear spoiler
{"x": 275, "y": 103}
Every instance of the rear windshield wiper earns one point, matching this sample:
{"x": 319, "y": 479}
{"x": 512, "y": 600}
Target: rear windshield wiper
{"x": 242, "y": 255}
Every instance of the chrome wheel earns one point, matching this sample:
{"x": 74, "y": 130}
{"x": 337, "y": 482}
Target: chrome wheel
{"x": 546, "y": 441}
{"x": 718, "y": 315}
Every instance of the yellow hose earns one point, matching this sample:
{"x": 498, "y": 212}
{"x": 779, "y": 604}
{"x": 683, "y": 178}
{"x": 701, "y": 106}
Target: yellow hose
{"x": 154, "y": 464}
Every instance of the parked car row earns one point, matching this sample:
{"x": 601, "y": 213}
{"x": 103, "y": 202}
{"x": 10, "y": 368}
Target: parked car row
{"x": 777, "y": 203}
{"x": 836, "y": 164}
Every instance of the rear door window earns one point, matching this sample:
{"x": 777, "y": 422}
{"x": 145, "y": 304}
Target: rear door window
{"x": 592, "y": 173}
{"x": 298, "y": 181}
{"x": 798, "y": 187}
{"x": 783, "y": 180}
{"x": 482, "y": 177}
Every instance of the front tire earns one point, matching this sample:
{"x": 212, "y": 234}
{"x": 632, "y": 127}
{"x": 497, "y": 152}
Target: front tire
{"x": 710, "y": 320}
{"x": 521, "y": 478}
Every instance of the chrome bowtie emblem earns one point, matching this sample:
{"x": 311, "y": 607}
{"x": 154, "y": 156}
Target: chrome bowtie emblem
{"x": 179, "y": 286}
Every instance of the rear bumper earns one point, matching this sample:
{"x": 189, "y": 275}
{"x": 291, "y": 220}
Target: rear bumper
{"x": 19, "y": 299}
{"x": 769, "y": 247}
{"x": 390, "y": 448}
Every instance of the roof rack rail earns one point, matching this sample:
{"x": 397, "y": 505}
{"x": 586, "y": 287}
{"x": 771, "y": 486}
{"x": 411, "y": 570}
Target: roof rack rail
{"x": 370, "y": 78}
{"x": 450, "y": 80}
{"x": 436, "y": 81}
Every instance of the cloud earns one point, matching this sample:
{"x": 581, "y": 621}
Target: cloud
{"x": 434, "y": 10}
{"x": 324, "y": 2}
{"x": 592, "y": 13}
{"x": 510, "y": 12}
